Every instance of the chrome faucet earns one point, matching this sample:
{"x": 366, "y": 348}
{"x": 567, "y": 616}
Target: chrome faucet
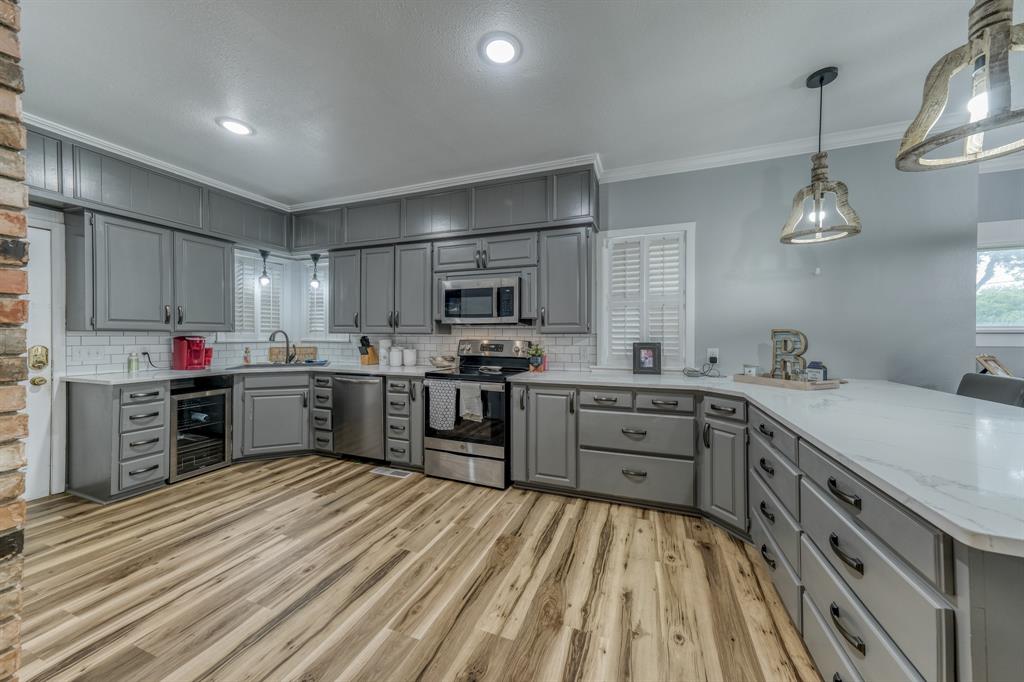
{"x": 289, "y": 356}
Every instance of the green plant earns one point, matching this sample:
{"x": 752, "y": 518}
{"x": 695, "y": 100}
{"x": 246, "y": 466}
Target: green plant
{"x": 536, "y": 351}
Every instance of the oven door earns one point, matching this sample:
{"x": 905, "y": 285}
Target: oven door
{"x": 485, "y": 438}
{"x": 485, "y": 301}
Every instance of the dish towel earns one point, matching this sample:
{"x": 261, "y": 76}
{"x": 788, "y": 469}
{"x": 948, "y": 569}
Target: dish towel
{"x": 442, "y": 403}
{"x": 471, "y": 407}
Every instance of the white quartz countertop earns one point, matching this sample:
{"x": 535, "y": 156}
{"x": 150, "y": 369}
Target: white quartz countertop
{"x": 118, "y": 378}
{"x": 956, "y": 461}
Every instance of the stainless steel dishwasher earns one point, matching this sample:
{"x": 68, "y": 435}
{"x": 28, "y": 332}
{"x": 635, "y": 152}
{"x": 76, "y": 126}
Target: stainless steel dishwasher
{"x": 358, "y": 416}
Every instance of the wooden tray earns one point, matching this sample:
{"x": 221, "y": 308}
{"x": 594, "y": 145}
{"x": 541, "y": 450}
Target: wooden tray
{"x": 787, "y": 383}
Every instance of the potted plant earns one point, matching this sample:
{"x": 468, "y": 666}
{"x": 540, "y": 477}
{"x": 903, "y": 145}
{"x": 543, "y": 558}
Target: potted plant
{"x": 537, "y": 358}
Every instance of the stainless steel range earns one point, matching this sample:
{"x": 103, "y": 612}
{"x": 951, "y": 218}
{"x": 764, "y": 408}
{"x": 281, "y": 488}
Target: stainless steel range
{"x": 474, "y": 446}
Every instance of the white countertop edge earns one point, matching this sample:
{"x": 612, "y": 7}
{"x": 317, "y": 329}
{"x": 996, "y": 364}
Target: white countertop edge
{"x": 124, "y": 378}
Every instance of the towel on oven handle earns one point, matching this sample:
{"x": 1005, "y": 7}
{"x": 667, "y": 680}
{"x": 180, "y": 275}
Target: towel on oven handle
{"x": 442, "y": 403}
{"x": 471, "y": 406}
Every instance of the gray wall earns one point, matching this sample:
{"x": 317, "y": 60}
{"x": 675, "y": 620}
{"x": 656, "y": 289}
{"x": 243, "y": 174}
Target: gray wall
{"x": 896, "y": 302}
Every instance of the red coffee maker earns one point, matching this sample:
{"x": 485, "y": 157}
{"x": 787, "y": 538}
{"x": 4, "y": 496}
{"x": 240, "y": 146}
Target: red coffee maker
{"x": 189, "y": 352}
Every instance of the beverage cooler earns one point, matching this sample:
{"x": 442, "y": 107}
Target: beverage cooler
{"x": 200, "y": 426}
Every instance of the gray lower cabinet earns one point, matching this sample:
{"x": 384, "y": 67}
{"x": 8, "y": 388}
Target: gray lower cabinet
{"x": 417, "y": 416}
{"x": 722, "y": 472}
{"x": 276, "y": 420}
{"x": 377, "y": 290}
{"x": 551, "y": 454}
{"x": 564, "y": 284}
{"x": 436, "y": 213}
{"x": 519, "y": 434}
{"x": 413, "y": 292}
{"x": 204, "y": 281}
{"x": 346, "y": 287}
{"x": 403, "y": 404}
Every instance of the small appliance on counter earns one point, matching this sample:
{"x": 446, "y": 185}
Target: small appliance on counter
{"x": 190, "y": 352}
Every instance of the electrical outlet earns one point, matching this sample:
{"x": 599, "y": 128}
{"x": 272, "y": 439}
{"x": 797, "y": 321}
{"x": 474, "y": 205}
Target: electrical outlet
{"x": 713, "y": 356}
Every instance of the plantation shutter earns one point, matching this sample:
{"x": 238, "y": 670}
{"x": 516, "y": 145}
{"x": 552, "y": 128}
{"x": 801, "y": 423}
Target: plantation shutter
{"x": 624, "y": 298}
{"x": 270, "y": 298}
{"x": 245, "y": 294}
{"x": 316, "y": 301}
{"x": 665, "y": 296}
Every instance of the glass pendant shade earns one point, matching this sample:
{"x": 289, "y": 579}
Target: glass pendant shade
{"x": 821, "y": 210}
{"x": 991, "y": 38}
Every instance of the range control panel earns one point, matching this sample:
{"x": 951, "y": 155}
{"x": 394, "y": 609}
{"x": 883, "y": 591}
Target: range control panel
{"x": 506, "y": 348}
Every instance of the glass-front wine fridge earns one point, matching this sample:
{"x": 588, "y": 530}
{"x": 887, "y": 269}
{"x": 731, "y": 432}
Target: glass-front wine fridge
{"x": 200, "y": 432}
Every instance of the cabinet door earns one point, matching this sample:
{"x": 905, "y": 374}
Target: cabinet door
{"x": 43, "y": 162}
{"x": 522, "y": 202}
{"x": 518, "y": 434}
{"x": 377, "y": 295}
{"x": 346, "y": 282}
{"x": 573, "y": 195}
{"x": 722, "y": 472}
{"x": 565, "y": 281}
{"x": 458, "y": 254}
{"x": 417, "y": 413}
{"x": 227, "y": 215}
{"x": 276, "y": 420}
{"x": 204, "y": 284}
{"x": 316, "y": 230}
{"x": 373, "y": 222}
{"x": 413, "y": 299}
{"x": 508, "y": 251}
{"x": 132, "y": 275}
{"x": 551, "y": 441}
{"x": 436, "y": 213}
{"x": 274, "y": 228}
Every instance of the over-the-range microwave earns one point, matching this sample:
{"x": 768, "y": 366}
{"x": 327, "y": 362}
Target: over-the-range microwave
{"x": 492, "y": 300}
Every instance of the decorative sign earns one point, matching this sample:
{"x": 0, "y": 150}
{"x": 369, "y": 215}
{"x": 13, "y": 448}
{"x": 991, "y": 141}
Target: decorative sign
{"x": 788, "y": 348}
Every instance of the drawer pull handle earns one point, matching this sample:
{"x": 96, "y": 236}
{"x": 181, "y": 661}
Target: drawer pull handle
{"x": 768, "y": 468}
{"x": 151, "y": 394}
{"x": 667, "y": 403}
{"x": 324, "y": 441}
{"x": 397, "y": 403}
{"x": 323, "y": 382}
{"x": 836, "y": 677}
{"x": 634, "y": 472}
{"x": 633, "y": 432}
{"x": 707, "y": 436}
{"x": 605, "y": 399}
{"x": 723, "y": 410}
{"x": 153, "y": 467}
{"x": 398, "y": 451}
{"x": 765, "y": 513}
{"x": 396, "y": 427}
{"x": 323, "y": 398}
{"x": 855, "y": 641}
{"x": 137, "y": 443}
{"x": 766, "y": 431}
{"x": 848, "y": 498}
{"x": 851, "y": 561}
{"x": 320, "y": 420}
{"x": 767, "y": 559}
{"x": 522, "y": 399}
{"x": 396, "y": 387}
{"x": 148, "y": 415}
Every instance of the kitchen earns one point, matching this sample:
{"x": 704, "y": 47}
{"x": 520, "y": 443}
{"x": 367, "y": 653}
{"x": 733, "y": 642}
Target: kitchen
{"x": 465, "y": 394}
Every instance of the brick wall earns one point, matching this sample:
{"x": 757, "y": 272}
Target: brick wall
{"x": 13, "y": 315}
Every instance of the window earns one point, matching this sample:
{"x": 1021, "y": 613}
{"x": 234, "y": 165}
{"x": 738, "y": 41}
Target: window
{"x": 647, "y": 290}
{"x": 999, "y": 284}
{"x": 315, "y": 304}
{"x": 259, "y": 310}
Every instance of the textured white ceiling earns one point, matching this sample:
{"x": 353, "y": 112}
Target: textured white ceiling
{"x": 350, "y": 97}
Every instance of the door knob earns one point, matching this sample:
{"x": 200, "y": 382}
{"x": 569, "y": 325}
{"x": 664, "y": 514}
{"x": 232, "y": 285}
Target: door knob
{"x": 37, "y": 381}
{"x": 38, "y": 357}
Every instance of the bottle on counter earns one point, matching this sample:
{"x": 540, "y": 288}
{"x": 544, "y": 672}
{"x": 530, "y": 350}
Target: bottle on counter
{"x": 133, "y": 363}
{"x": 247, "y": 356}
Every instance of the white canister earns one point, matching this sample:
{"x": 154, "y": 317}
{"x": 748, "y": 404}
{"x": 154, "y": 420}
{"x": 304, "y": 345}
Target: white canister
{"x": 383, "y": 347}
{"x": 396, "y": 356}
{"x": 409, "y": 357}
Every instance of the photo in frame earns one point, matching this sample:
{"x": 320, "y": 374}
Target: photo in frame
{"x": 646, "y": 358}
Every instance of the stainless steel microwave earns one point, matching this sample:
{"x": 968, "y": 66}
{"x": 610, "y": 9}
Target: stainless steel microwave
{"x": 493, "y": 300}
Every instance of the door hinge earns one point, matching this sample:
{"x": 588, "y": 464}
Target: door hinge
{"x": 92, "y": 220}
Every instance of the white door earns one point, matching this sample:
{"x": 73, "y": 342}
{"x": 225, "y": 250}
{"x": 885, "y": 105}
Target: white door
{"x": 40, "y": 372}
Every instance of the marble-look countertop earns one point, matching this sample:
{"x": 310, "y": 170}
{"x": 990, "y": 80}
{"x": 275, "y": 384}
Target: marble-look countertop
{"x": 956, "y": 461}
{"x": 119, "y": 378}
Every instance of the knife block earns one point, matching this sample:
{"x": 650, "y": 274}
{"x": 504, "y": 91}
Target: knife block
{"x": 370, "y": 358}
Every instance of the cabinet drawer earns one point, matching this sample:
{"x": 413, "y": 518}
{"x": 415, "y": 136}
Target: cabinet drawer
{"x": 833, "y": 663}
{"x": 913, "y": 614}
{"x": 665, "y": 402}
{"x": 142, "y": 471}
{"x": 921, "y": 545}
{"x": 875, "y": 656}
{"x": 288, "y": 380}
{"x": 637, "y": 477}
{"x": 397, "y": 385}
{"x": 397, "y": 404}
{"x": 781, "y": 438}
{"x": 787, "y": 584}
{"x": 151, "y": 393}
{"x": 321, "y": 418}
{"x": 397, "y": 427}
{"x": 399, "y": 451}
{"x": 655, "y": 433}
{"x": 140, "y": 416}
{"x": 599, "y": 398}
{"x": 323, "y": 381}
{"x": 777, "y": 471}
{"x": 139, "y": 443}
{"x": 322, "y": 398}
{"x": 724, "y": 408}
{"x": 782, "y": 527}
{"x": 323, "y": 440}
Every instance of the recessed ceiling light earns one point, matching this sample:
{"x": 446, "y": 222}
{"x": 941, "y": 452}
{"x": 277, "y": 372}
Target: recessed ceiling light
{"x": 500, "y": 48}
{"x": 235, "y": 126}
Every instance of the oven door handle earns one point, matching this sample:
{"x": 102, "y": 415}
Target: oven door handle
{"x": 483, "y": 387}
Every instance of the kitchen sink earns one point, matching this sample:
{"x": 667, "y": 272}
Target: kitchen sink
{"x": 281, "y": 365}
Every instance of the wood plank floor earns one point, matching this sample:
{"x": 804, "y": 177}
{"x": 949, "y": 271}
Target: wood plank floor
{"x": 316, "y": 569}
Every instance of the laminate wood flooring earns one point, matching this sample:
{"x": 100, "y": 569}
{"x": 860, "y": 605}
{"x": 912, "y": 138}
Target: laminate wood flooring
{"x": 315, "y": 569}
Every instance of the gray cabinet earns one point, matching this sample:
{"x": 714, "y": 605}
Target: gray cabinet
{"x": 245, "y": 221}
{"x": 574, "y": 195}
{"x": 377, "y": 290}
{"x": 43, "y": 162}
{"x": 204, "y": 281}
{"x": 565, "y": 281}
{"x": 436, "y": 213}
{"x": 413, "y": 300}
{"x": 520, "y": 202}
{"x": 551, "y": 453}
{"x": 721, "y": 471}
{"x": 346, "y": 287}
{"x": 417, "y": 415}
{"x": 132, "y": 276}
{"x": 519, "y": 432}
{"x": 276, "y": 420}
{"x": 317, "y": 230}
{"x": 458, "y": 254}
{"x": 486, "y": 253}
{"x": 373, "y": 222}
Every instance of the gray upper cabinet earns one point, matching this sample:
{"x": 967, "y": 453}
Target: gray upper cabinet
{"x": 564, "y": 295}
{"x": 346, "y": 284}
{"x": 458, "y": 254}
{"x": 317, "y": 230}
{"x": 722, "y": 472}
{"x": 244, "y": 221}
{"x": 551, "y": 441}
{"x": 573, "y": 195}
{"x": 521, "y": 202}
{"x": 413, "y": 300}
{"x": 132, "y": 276}
{"x": 276, "y": 420}
{"x": 43, "y": 162}
{"x": 509, "y": 250}
{"x": 373, "y": 222}
{"x": 436, "y": 213}
{"x": 377, "y": 295}
{"x": 203, "y": 284}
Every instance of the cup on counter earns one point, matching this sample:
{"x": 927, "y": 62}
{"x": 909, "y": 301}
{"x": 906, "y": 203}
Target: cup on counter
{"x": 395, "y": 359}
{"x": 409, "y": 357}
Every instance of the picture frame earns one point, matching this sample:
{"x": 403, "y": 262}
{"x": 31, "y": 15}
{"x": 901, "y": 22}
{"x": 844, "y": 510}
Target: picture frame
{"x": 646, "y": 358}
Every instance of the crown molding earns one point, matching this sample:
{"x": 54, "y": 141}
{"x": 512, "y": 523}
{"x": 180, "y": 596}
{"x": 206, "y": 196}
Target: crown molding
{"x": 107, "y": 146}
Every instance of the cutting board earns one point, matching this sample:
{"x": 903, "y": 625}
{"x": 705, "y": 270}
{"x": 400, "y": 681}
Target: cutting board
{"x": 302, "y": 353}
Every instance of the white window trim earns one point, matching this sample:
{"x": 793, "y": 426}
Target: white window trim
{"x": 289, "y": 319}
{"x": 1000, "y": 234}
{"x": 689, "y": 231}
{"x": 301, "y": 283}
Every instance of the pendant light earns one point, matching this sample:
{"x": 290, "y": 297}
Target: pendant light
{"x": 991, "y": 36}
{"x": 264, "y": 279}
{"x": 821, "y": 210}
{"x": 314, "y": 283}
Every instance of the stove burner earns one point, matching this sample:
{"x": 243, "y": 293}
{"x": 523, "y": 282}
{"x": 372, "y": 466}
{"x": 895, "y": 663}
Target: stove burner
{"x": 489, "y": 369}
